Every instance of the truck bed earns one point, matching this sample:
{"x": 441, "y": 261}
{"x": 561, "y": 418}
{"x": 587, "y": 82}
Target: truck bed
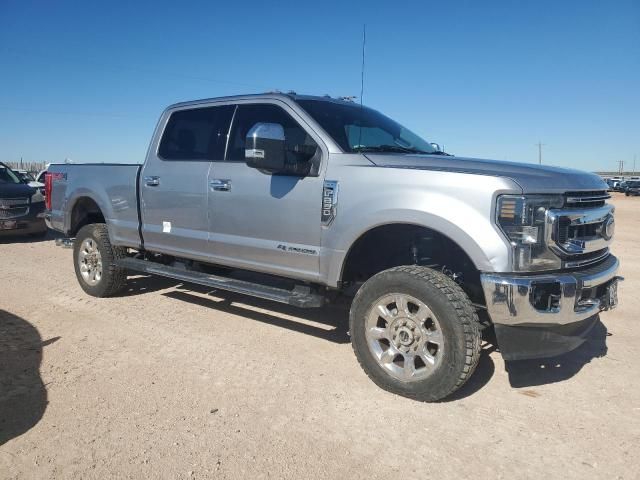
{"x": 114, "y": 189}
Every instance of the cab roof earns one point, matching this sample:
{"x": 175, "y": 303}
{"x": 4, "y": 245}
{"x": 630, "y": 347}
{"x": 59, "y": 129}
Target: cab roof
{"x": 267, "y": 95}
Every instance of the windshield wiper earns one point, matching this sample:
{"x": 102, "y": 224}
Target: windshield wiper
{"x": 386, "y": 148}
{"x": 396, "y": 149}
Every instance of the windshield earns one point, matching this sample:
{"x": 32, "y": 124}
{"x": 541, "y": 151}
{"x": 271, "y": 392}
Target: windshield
{"x": 25, "y": 176}
{"x": 362, "y": 129}
{"x": 633, "y": 184}
{"x": 7, "y": 176}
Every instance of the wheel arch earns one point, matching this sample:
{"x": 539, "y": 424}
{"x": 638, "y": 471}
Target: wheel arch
{"x": 84, "y": 209}
{"x": 398, "y": 242}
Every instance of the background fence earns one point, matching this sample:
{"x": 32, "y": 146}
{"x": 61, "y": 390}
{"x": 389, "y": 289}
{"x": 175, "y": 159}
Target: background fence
{"x": 33, "y": 167}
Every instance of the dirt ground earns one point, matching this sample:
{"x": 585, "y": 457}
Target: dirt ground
{"x": 168, "y": 381}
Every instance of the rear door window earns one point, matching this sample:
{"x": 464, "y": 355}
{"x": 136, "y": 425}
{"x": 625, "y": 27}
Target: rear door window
{"x": 196, "y": 134}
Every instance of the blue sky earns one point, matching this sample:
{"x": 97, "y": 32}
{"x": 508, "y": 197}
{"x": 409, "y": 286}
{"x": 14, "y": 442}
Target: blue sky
{"x": 87, "y": 80}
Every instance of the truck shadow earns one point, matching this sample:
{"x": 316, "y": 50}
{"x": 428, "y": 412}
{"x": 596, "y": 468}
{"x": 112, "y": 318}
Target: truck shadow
{"x": 484, "y": 371}
{"x": 23, "y": 396}
{"x": 329, "y": 323}
{"x": 529, "y": 373}
{"x": 15, "y": 238}
{"x": 141, "y": 284}
{"x": 332, "y": 323}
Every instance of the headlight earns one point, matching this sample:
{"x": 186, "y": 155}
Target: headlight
{"x": 522, "y": 218}
{"x": 37, "y": 197}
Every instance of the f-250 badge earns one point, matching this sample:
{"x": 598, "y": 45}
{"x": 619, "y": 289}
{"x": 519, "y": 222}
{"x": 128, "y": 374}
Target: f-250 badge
{"x": 329, "y": 202}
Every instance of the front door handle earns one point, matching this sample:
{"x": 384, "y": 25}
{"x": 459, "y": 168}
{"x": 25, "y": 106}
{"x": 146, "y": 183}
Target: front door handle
{"x": 152, "y": 181}
{"x": 220, "y": 185}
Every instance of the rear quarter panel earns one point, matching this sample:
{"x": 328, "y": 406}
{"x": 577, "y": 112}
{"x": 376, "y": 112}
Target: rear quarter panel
{"x": 113, "y": 187}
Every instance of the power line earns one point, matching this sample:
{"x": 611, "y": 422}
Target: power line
{"x": 132, "y": 69}
{"x": 65, "y": 112}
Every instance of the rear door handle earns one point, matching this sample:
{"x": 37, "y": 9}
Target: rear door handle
{"x": 220, "y": 185}
{"x": 152, "y": 181}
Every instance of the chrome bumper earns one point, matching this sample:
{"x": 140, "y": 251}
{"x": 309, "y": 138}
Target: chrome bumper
{"x": 510, "y": 298}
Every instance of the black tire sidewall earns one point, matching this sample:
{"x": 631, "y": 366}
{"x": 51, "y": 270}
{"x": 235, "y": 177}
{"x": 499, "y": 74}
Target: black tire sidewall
{"x": 445, "y": 378}
{"x": 102, "y": 287}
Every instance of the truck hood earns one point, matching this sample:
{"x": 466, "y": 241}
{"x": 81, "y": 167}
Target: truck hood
{"x": 15, "y": 190}
{"x": 530, "y": 177}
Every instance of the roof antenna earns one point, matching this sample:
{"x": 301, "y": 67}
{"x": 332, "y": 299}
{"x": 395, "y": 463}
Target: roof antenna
{"x": 364, "y": 43}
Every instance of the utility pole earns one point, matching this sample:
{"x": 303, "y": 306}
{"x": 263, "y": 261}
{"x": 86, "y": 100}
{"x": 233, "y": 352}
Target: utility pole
{"x": 620, "y": 166}
{"x": 634, "y": 165}
{"x": 539, "y": 144}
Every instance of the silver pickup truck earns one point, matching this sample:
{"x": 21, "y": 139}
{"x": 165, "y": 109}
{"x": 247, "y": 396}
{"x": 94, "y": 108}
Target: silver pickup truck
{"x": 324, "y": 198}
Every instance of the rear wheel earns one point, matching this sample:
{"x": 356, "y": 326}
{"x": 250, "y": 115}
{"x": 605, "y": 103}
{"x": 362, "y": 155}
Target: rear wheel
{"x": 415, "y": 332}
{"x": 94, "y": 261}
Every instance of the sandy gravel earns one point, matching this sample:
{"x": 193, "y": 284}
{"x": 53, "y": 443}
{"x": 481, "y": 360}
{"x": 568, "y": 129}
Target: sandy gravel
{"x": 170, "y": 382}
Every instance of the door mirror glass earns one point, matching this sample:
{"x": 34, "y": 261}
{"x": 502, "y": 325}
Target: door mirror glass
{"x": 265, "y": 147}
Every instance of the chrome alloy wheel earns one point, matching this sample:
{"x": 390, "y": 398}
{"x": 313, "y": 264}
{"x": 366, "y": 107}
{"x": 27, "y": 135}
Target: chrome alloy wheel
{"x": 404, "y": 336}
{"x": 90, "y": 262}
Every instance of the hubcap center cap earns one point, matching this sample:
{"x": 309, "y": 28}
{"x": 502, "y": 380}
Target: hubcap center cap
{"x": 405, "y": 334}
{"x": 405, "y": 337}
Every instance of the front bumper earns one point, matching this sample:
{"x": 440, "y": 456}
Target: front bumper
{"x": 548, "y": 314}
{"x": 31, "y": 223}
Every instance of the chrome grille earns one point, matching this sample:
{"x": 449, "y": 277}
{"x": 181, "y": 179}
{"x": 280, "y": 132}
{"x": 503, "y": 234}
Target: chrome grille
{"x": 579, "y": 234}
{"x": 13, "y": 207}
{"x": 13, "y": 202}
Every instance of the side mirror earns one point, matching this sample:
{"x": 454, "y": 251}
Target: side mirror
{"x": 265, "y": 147}
{"x": 436, "y": 146}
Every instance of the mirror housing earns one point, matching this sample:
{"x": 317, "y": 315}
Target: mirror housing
{"x": 265, "y": 147}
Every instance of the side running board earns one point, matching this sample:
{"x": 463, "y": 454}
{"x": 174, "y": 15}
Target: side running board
{"x": 300, "y": 296}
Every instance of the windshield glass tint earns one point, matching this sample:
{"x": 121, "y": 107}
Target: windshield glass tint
{"x": 357, "y": 128}
{"x": 7, "y": 176}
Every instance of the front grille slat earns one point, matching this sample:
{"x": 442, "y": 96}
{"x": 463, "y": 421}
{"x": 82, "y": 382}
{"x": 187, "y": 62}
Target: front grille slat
{"x": 13, "y": 207}
{"x": 13, "y": 213}
{"x": 595, "y": 198}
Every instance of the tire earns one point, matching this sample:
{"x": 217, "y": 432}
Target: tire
{"x": 111, "y": 279}
{"x": 437, "y": 337}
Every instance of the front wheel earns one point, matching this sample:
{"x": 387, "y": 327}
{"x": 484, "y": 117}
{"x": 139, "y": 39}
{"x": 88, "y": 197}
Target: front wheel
{"x": 94, "y": 261}
{"x": 415, "y": 332}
